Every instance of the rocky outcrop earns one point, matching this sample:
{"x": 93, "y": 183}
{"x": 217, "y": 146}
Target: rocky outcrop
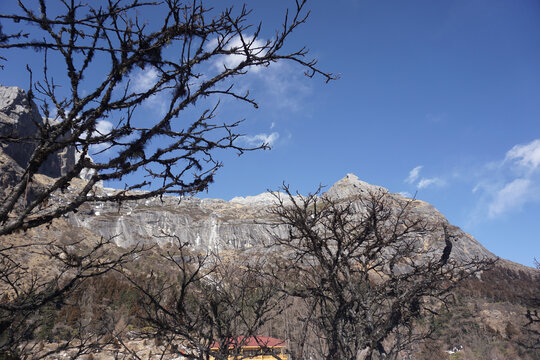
{"x": 10, "y": 173}
{"x": 19, "y": 118}
{"x": 21, "y": 121}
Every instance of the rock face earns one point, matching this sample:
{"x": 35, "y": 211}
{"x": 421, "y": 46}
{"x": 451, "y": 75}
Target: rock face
{"x": 238, "y": 224}
{"x": 20, "y": 118}
{"x": 205, "y": 223}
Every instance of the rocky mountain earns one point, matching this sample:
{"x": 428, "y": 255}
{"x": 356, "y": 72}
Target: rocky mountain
{"x": 206, "y": 223}
{"x": 237, "y": 224}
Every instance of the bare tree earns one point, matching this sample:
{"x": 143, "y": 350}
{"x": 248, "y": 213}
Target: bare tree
{"x": 100, "y": 47}
{"x": 366, "y": 272}
{"x": 208, "y": 307}
{"x": 532, "y": 327}
{"x": 37, "y": 275}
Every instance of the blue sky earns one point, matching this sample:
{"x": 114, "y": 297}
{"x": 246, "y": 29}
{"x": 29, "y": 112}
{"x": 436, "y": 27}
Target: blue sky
{"x": 438, "y": 98}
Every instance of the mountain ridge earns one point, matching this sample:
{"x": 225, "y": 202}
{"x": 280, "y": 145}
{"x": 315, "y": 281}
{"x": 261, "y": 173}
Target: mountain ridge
{"x": 215, "y": 224}
{"x": 239, "y": 223}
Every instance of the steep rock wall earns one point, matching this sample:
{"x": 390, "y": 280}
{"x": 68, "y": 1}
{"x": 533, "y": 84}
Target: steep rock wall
{"x": 206, "y": 223}
{"x": 20, "y": 119}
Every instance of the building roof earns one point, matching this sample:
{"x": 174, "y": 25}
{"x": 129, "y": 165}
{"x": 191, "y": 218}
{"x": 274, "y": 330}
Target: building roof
{"x": 253, "y": 341}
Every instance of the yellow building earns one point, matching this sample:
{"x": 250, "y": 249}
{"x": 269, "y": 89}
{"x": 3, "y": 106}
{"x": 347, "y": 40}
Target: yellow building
{"x": 256, "y": 348}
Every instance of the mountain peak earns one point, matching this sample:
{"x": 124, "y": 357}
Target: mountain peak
{"x": 351, "y": 185}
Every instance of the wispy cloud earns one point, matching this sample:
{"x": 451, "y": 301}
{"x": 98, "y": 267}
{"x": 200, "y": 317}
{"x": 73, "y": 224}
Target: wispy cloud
{"x": 527, "y": 156}
{"x": 281, "y": 84}
{"x": 286, "y": 86}
{"x": 428, "y": 182}
{"x": 103, "y": 127}
{"x": 507, "y": 185}
{"x": 510, "y": 197}
{"x": 422, "y": 182}
{"x": 260, "y": 139}
{"x": 405, "y": 194}
{"x": 143, "y": 80}
{"x": 413, "y": 174}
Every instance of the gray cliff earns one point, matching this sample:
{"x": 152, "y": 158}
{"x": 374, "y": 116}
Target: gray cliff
{"x": 205, "y": 223}
{"x": 240, "y": 223}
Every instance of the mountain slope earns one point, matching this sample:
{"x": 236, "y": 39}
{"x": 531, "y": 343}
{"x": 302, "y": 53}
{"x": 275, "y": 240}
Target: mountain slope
{"x": 240, "y": 223}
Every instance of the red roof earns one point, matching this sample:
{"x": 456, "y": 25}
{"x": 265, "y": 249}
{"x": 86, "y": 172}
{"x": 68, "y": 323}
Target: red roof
{"x": 253, "y": 341}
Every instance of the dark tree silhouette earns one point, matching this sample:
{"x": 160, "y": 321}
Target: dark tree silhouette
{"x": 531, "y": 329}
{"x": 447, "y": 248}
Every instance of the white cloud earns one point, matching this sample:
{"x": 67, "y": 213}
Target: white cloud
{"x": 405, "y": 194}
{"x": 103, "y": 127}
{"x": 511, "y": 197}
{"x": 259, "y": 139}
{"x": 413, "y": 174}
{"x": 143, "y": 80}
{"x": 507, "y": 185}
{"x": 211, "y": 44}
{"x": 286, "y": 86}
{"x": 281, "y": 84}
{"x": 527, "y": 155}
{"x": 424, "y": 183}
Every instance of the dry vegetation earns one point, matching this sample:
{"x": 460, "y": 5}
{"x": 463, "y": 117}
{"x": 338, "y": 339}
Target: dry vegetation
{"x": 487, "y": 321}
